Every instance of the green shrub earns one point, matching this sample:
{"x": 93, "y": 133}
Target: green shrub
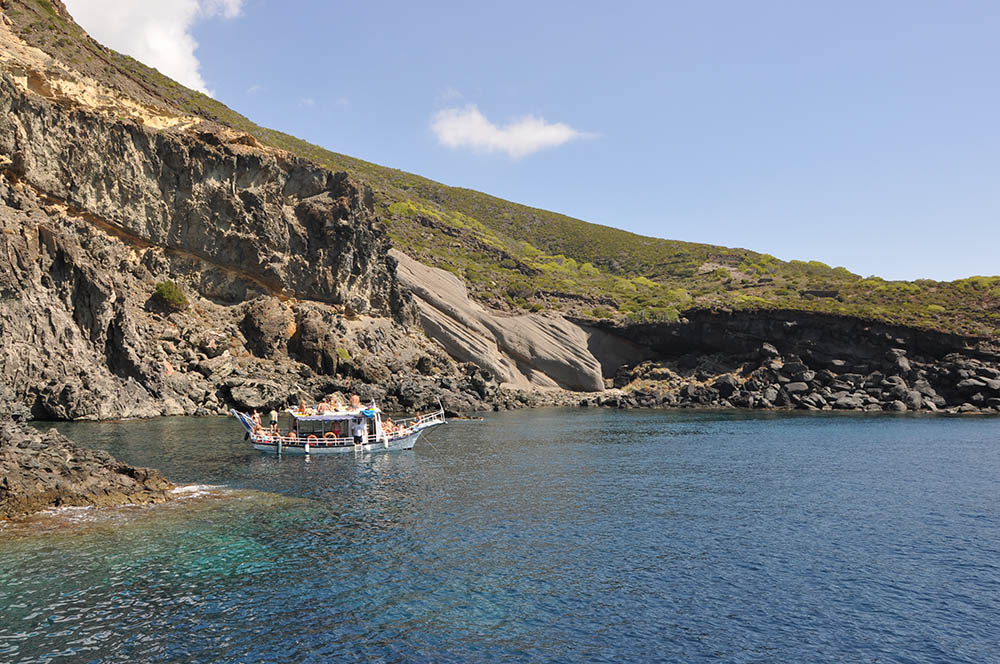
{"x": 343, "y": 354}
{"x": 168, "y": 294}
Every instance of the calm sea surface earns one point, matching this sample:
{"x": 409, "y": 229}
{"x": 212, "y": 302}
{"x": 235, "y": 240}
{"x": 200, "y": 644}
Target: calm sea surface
{"x": 547, "y": 536}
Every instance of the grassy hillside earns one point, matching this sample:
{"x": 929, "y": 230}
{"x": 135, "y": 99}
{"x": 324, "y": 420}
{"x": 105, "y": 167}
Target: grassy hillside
{"x": 517, "y": 257}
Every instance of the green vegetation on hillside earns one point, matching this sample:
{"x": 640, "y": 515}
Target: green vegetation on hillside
{"x": 169, "y": 295}
{"x": 521, "y": 258}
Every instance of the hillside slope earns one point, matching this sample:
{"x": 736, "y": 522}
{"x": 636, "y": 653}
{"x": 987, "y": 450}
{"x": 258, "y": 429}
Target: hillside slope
{"x": 515, "y": 257}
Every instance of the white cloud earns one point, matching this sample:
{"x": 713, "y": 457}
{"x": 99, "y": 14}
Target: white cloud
{"x": 469, "y": 128}
{"x": 155, "y": 32}
{"x": 256, "y": 88}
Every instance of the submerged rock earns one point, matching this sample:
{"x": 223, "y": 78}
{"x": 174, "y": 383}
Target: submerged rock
{"x": 42, "y": 470}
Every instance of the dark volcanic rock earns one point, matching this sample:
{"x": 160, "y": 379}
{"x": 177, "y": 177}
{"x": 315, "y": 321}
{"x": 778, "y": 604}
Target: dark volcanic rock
{"x": 42, "y": 470}
{"x": 260, "y": 394}
{"x": 314, "y": 343}
{"x": 267, "y": 326}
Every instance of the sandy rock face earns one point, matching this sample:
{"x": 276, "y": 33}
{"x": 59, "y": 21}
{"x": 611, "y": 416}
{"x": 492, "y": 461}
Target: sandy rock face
{"x": 532, "y": 350}
{"x": 41, "y": 470}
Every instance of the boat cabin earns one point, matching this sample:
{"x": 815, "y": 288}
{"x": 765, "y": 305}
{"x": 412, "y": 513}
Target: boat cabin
{"x": 338, "y": 428}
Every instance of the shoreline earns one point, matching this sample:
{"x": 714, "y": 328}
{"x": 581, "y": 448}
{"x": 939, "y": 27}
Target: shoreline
{"x": 43, "y": 470}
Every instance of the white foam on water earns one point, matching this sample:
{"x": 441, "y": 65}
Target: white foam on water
{"x": 195, "y": 490}
{"x": 67, "y": 509}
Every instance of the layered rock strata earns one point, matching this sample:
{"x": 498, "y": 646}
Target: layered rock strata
{"x": 524, "y": 351}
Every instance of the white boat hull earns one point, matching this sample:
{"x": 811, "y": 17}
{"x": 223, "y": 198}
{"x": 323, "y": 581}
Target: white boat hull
{"x": 401, "y": 443}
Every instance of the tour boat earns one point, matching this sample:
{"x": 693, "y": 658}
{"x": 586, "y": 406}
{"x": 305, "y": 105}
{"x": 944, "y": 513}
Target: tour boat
{"x": 333, "y": 430}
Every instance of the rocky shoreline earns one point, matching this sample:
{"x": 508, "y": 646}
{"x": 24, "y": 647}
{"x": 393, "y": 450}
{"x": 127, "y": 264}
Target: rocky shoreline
{"x": 955, "y": 384}
{"x": 43, "y": 470}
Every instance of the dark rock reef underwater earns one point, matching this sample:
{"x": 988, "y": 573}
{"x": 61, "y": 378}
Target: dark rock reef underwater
{"x": 42, "y": 470}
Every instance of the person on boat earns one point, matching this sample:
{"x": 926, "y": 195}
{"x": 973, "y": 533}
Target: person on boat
{"x": 389, "y": 426}
{"x": 355, "y": 402}
{"x": 336, "y": 432}
{"x": 274, "y": 417}
{"x": 360, "y": 430}
{"x": 255, "y": 417}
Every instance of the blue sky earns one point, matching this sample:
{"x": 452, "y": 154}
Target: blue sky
{"x": 862, "y": 134}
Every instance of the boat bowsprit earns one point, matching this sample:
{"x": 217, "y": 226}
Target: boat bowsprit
{"x": 327, "y": 429}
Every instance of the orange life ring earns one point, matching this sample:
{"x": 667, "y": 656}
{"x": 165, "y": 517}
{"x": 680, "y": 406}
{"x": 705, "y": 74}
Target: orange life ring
{"x": 329, "y": 434}
{"x": 312, "y": 437}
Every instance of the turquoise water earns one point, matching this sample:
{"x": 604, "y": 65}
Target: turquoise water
{"x": 549, "y": 536}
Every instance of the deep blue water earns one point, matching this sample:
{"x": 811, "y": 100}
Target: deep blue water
{"x": 548, "y": 536}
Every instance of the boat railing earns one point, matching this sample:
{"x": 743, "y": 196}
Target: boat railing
{"x": 266, "y": 438}
{"x": 437, "y": 417}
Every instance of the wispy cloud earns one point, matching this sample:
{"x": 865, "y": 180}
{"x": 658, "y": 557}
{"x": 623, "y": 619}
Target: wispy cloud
{"x": 450, "y": 94}
{"x": 155, "y": 32}
{"x": 255, "y": 89}
{"x": 307, "y": 102}
{"x": 468, "y": 128}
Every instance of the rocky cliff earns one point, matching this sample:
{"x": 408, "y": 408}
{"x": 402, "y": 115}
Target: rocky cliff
{"x": 529, "y": 350}
{"x": 794, "y": 359}
{"x": 285, "y": 264}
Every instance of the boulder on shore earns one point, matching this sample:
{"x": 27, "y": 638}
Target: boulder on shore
{"x": 42, "y": 470}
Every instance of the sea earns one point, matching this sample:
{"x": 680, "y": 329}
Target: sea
{"x": 534, "y": 536}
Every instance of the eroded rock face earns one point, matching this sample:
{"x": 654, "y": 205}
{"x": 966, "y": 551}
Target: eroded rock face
{"x": 267, "y": 326}
{"x": 524, "y": 351}
{"x": 43, "y": 470}
{"x": 96, "y": 208}
{"x": 280, "y": 224}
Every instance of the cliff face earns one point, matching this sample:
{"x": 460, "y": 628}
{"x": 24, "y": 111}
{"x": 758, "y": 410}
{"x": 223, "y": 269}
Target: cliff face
{"x": 792, "y": 359}
{"x": 525, "y": 351}
{"x": 828, "y": 341}
{"x": 254, "y": 218}
{"x": 293, "y": 293}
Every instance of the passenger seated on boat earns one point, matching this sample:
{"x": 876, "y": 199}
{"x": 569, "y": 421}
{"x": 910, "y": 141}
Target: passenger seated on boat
{"x": 355, "y": 402}
{"x": 389, "y": 426}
